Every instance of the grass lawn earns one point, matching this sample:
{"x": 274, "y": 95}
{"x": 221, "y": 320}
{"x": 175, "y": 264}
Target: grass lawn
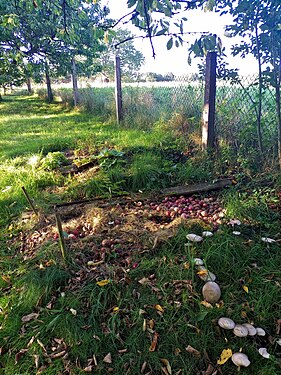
{"x": 127, "y": 297}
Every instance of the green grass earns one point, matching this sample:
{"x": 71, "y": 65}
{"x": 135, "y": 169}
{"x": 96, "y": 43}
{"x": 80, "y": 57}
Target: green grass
{"x": 80, "y": 314}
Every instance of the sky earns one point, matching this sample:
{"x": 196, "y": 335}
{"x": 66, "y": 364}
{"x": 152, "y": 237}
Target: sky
{"x": 175, "y": 60}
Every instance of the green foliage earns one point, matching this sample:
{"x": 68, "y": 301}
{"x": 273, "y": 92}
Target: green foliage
{"x": 54, "y": 160}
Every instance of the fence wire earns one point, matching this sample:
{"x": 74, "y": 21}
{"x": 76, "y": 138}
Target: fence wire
{"x": 146, "y": 103}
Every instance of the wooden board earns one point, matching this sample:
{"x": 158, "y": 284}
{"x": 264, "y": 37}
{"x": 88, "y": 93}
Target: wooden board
{"x": 196, "y": 188}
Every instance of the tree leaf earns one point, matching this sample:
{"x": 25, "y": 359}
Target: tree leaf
{"x": 224, "y": 357}
{"x": 170, "y": 44}
{"x": 103, "y": 282}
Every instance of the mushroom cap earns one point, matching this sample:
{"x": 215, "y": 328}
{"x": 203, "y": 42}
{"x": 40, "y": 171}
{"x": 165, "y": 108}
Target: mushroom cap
{"x": 198, "y": 262}
{"x": 194, "y": 238}
{"x": 211, "y": 292}
{"x": 206, "y": 233}
{"x": 240, "y": 359}
{"x": 251, "y": 329}
{"x": 260, "y": 331}
{"x": 226, "y": 323}
{"x": 240, "y": 330}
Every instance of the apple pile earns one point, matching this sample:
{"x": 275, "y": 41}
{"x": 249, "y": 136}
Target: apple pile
{"x": 207, "y": 209}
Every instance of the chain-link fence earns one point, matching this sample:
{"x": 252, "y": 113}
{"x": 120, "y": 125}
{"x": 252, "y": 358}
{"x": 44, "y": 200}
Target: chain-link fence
{"x": 181, "y": 100}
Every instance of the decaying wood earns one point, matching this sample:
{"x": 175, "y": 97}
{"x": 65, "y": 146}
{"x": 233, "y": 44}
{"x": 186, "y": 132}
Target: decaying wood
{"x": 196, "y": 188}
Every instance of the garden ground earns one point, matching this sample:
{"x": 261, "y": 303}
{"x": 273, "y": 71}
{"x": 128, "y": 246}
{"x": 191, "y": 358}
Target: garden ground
{"x": 127, "y": 297}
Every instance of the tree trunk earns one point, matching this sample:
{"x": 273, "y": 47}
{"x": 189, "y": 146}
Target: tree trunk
{"x": 48, "y": 83}
{"x": 74, "y": 83}
{"x": 28, "y": 84}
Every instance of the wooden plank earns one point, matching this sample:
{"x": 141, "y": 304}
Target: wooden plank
{"x": 196, "y": 188}
{"x": 118, "y": 90}
{"x": 208, "y": 128}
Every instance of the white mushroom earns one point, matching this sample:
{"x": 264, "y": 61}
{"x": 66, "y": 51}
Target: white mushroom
{"x": 264, "y": 353}
{"x": 260, "y": 331}
{"x": 198, "y": 262}
{"x": 240, "y": 359}
{"x": 240, "y": 331}
{"x": 251, "y": 329}
{"x": 211, "y": 292}
{"x": 194, "y": 238}
{"x": 207, "y": 234}
{"x": 226, "y": 323}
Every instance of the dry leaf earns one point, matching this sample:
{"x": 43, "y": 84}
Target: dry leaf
{"x": 186, "y": 265}
{"x": 30, "y": 342}
{"x": 36, "y": 360}
{"x": 245, "y": 288}
{"x": 167, "y": 364}
{"x": 29, "y": 317}
{"x": 206, "y": 304}
{"x": 19, "y": 355}
{"x": 103, "y": 282}
{"x": 94, "y": 264}
{"x": 193, "y": 351}
{"x": 159, "y": 308}
{"x": 202, "y": 272}
{"x": 115, "y": 310}
{"x": 224, "y": 357}
{"x": 154, "y": 342}
{"x": 144, "y": 281}
{"x": 107, "y": 358}
{"x": 88, "y": 369}
{"x": 143, "y": 367}
{"x": 41, "y": 345}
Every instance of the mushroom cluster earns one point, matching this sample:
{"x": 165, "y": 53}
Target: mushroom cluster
{"x": 240, "y": 330}
{"x": 211, "y": 290}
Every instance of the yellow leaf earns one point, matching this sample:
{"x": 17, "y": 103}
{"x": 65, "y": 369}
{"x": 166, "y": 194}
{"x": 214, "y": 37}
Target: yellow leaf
{"x": 115, "y": 310}
{"x": 186, "y": 265}
{"x": 159, "y": 308}
{"x": 245, "y": 288}
{"x": 206, "y": 304}
{"x": 202, "y": 272}
{"x": 224, "y": 357}
{"x": 103, "y": 282}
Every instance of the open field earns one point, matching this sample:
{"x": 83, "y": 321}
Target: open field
{"x": 127, "y": 297}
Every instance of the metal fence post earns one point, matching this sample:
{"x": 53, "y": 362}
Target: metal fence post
{"x": 208, "y": 128}
{"x": 118, "y": 90}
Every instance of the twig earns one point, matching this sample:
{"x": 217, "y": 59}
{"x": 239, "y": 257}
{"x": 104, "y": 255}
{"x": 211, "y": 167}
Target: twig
{"x": 29, "y": 200}
{"x": 61, "y": 238}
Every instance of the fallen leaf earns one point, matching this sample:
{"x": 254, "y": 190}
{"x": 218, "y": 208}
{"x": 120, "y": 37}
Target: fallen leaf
{"x": 20, "y": 354}
{"x": 29, "y": 317}
{"x": 177, "y": 351}
{"x": 144, "y": 281}
{"x": 143, "y": 367}
{"x": 115, "y": 310}
{"x": 186, "y": 265}
{"x": 154, "y": 342}
{"x": 234, "y": 221}
{"x": 30, "y": 342}
{"x": 245, "y": 288}
{"x": 88, "y": 369}
{"x": 167, "y": 364}
{"x": 103, "y": 282}
{"x": 94, "y": 264}
{"x": 224, "y": 357}
{"x": 193, "y": 351}
{"x": 57, "y": 355}
{"x": 36, "y": 360}
{"x": 107, "y": 358}
{"x": 206, "y": 304}
{"x": 159, "y": 308}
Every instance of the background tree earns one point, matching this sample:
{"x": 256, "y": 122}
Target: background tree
{"x": 131, "y": 59}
